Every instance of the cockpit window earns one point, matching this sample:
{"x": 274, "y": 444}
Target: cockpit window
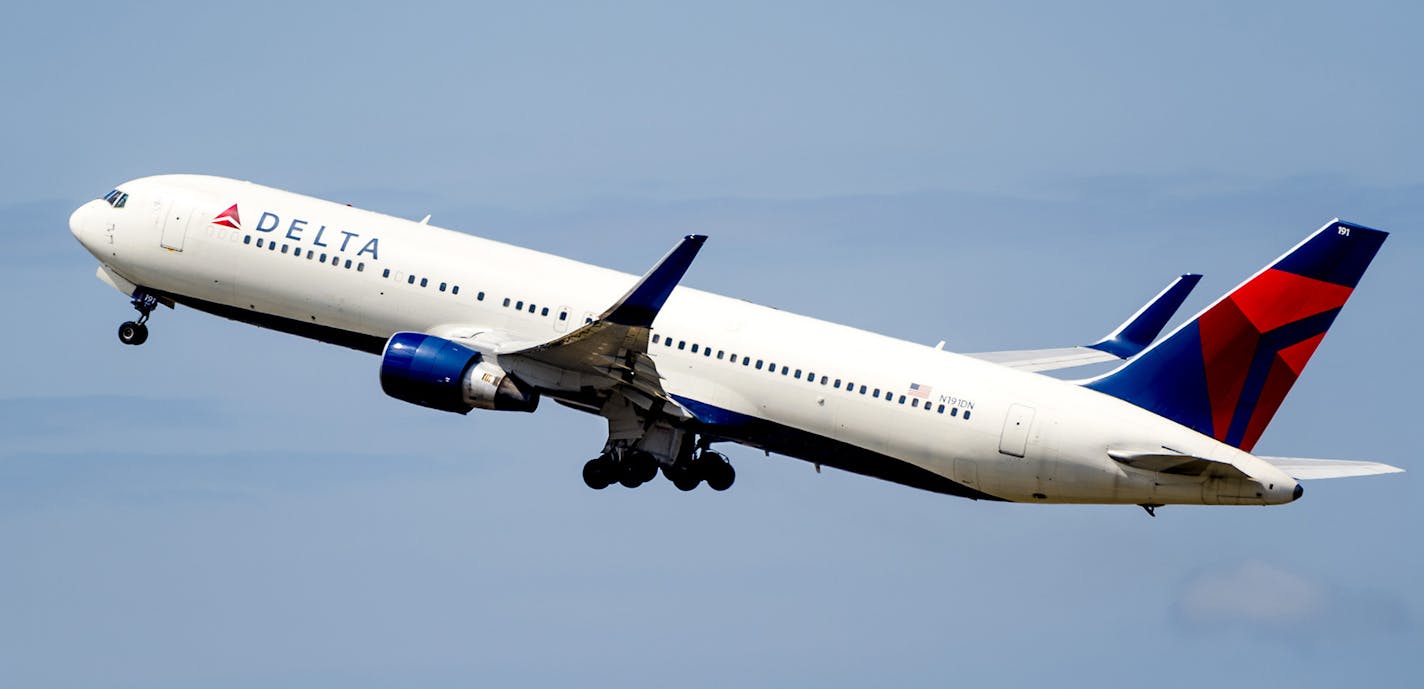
{"x": 116, "y": 198}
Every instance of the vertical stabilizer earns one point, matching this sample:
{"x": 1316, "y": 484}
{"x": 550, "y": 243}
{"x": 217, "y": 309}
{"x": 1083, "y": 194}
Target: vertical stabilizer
{"x": 1225, "y": 372}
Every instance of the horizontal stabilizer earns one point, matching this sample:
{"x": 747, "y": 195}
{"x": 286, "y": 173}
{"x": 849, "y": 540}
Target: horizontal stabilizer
{"x": 1127, "y": 340}
{"x": 1301, "y": 468}
{"x": 1167, "y": 462}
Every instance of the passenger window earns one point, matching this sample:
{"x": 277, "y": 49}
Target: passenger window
{"x": 360, "y": 267}
{"x": 785, "y": 369}
{"x": 322, "y": 259}
{"x": 544, "y": 311}
{"x": 954, "y": 411}
{"x": 720, "y": 352}
{"x": 902, "y": 399}
{"x": 707, "y": 352}
{"x": 519, "y": 305}
{"x": 823, "y": 380}
{"x": 531, "y": 308}
{"x": 837, "y": 384}
{"x": 259, "y": 241}
{"x": 759, "y": 363}
{"x": 862, "y": 389}
{"x": 734, "y": 358}
{"x": 506, "y": 302}
{"x": 656, "y": 338}
{"x": 480, "y": 296}
{"x": 409, "y": 280}
{"x": 810, "y": 377}
{"x": 667, "y": 341}
{"x": 746, "y": 361}
{"x": 348, "y": 264}
{"x": 966, "y": 414}
{"x": 310, "y": 254}
{"x": 563, "y": 315}
{"x": 284, "y": 248}
{"x": 773, "y": 368}
{"x": 247, "y": 239}
{"x": 940, "y": 410}
{"x": 797, "y": 375}
{"x": 876, "y": 394}
{"x": 694, "y": 348}
{"x": 455, "y": 289}
{"x": 915, "y": 402}
{"x": 385, "y": 273}
{"x": 682, "y": 344}
{"x": 424, "y": 282}
{"x": 442, "y": 287}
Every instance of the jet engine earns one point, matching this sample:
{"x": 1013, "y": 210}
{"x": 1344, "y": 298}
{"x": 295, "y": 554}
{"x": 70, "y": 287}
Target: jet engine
{"x": 437, "y": 373}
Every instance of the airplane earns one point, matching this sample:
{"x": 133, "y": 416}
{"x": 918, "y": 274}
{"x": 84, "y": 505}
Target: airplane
{"x": 463, "y": 323}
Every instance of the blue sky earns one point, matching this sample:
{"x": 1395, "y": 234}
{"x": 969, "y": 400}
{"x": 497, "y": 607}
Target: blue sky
{"x": 229, "y": 507}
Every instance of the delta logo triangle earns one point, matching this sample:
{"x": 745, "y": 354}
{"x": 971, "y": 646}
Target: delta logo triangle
{"x": 228, "y": 218}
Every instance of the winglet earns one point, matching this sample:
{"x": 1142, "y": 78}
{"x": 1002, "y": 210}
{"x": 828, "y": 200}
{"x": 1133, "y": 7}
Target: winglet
{"x": 1143, "y": 327}
{"x": 641, "y": 304}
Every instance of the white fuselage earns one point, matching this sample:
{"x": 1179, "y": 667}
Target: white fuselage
{"x": 969, "y": 425}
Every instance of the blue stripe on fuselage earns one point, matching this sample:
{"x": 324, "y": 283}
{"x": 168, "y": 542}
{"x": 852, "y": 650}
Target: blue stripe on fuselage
{"x": 818, "y": 449}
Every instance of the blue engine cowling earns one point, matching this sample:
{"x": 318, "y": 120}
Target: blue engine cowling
{"x": 437, "y": 373}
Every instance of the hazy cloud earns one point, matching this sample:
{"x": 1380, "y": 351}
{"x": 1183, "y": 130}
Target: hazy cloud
{"x": 1257, "y": 596}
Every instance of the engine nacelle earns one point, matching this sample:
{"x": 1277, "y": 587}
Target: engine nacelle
{"x": 437, "y": 373}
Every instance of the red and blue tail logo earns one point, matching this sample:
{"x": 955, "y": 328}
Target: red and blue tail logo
{"x": 1227, "y": 371}
{"x": 228, "y": 218}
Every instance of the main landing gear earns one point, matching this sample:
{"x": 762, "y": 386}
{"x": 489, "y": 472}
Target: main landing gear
{"x": 136, "y": 332}
{"x": 633, "y": 467}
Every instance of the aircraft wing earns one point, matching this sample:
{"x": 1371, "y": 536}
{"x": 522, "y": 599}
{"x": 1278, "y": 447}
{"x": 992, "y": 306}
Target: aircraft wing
{"x": 1304, "y": 469}
{"x": 609, "y": 353}
{"x": 1125, "y": 341}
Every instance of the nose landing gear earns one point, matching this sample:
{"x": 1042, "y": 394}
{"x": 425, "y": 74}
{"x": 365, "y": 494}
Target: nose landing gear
{"x": 136, "y": 332}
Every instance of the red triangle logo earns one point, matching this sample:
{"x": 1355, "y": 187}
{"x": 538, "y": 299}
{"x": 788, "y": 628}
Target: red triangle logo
{"x": 229, "y": 218}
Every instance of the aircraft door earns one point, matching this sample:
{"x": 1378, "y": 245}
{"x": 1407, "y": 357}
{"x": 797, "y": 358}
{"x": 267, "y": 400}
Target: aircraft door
{"x": 1014, "y": 440}
{"x": 175, "y": 223}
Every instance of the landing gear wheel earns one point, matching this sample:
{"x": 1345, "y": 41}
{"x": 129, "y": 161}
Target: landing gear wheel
{"x": 717, "y": 471}
{"x": 596, "y": 473}
{"x": 684, "y": 476}
{"x": 135, "y": 332}
{"x": 131, "y": 333}
{"x": 629, "y": 475}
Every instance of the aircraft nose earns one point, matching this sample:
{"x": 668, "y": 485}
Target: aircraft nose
{"x": 79, "y": 220}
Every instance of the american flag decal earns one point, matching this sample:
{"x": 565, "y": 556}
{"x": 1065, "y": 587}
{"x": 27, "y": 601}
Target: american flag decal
{"x": 920, "y": 391}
